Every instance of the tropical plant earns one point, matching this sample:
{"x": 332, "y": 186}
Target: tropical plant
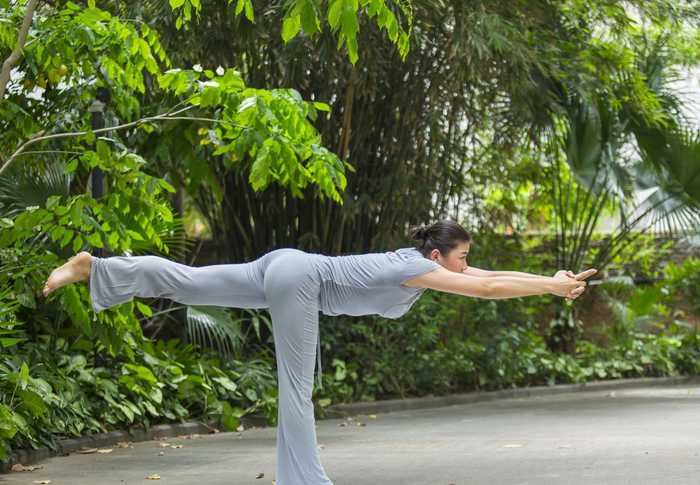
{"x": 595, "y": 173}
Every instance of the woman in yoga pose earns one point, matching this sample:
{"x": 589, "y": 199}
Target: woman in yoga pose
{"x": 294, "y": 286}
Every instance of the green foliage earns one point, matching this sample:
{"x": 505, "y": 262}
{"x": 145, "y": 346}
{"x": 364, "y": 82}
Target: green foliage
{"x": 513, "y": 356}
{"x": 213, "y": 326}
{"x": 645, "y": 255}
{"x": 49, "y": 390}
{"x": 310, "y": 16}
{"x": 272, "y": 127}
{"x": 90, "y": 49}
{"x": 414, "y": 356}
{"x": 69, "y": 54}
{"x": 133, "y": 201}
{"x": 682, "y": 284}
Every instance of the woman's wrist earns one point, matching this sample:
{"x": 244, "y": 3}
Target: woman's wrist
{"x": 550, "y": 285}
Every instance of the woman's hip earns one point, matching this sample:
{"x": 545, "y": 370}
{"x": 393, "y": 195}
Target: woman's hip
{"x": 290, "y": 269}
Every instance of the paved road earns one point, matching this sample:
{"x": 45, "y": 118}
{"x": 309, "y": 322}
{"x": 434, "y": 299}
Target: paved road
{"x": 631, "y": 436}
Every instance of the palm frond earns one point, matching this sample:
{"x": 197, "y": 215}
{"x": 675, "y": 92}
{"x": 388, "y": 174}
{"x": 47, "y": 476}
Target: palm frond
{"x": 593, "y": 140}
{"x": 25, "y": 185}
{"x": 663, "y": 205}
{"x": 212, "y": 327}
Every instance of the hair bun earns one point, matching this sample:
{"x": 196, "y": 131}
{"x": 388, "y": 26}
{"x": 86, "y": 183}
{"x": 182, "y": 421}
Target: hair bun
{"x": 442, "y": 235}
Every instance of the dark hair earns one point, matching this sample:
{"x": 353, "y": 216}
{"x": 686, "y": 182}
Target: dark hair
{"x": 442, "y": 235}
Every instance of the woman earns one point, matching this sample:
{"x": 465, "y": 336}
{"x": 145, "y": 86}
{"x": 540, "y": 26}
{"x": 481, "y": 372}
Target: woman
{"x": 294, "y": 286}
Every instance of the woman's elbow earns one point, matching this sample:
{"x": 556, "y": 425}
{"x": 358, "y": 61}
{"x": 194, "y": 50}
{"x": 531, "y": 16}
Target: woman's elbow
{"x": 488, "y": 291}
{"x": 484, "y": 289}
{"x": 478, "y": 287}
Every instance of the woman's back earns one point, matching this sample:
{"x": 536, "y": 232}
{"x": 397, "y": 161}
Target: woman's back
{"x": 370, "y": 283}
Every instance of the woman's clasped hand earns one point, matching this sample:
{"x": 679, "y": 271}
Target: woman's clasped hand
{"x": 570, "y": 285}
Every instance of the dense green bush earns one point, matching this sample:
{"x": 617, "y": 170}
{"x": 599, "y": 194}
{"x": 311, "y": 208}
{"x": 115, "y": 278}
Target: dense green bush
{"x": 65, "y": 370}
{"x": 381, "y": 358}
{"x": 51, "y": 390}
{"x": 682, "y": 285}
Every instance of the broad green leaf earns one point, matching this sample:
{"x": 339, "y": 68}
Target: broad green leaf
{"x": 249, "y": 10}
{"x": 291, "y": 27}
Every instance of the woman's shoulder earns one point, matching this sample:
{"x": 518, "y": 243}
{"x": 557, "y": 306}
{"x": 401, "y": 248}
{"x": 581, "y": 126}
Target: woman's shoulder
{"x": 407, "y": 252}
{"x": 411, "y": 263}
{"x": 411, "y": 254}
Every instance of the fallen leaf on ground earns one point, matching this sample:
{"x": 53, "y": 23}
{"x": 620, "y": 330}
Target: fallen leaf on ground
{"x": 42, "y": 481}
{"x": 87, "y": 450}
{"x": 240, "y": 428}
{"x": 18, "y": 467}
{"x": 153, "y": 476}
{"x": 124, "y": 444}
{"x": 169, "y": 445}
{"x": 372, "y": 416}
{"x": 515, "y": 445}
{"x": 260, "y": 475}
{"x": 104, "y": 450}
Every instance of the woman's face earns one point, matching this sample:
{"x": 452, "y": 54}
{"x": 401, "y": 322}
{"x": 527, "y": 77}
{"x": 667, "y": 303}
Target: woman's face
{"x": 456, "y": 259}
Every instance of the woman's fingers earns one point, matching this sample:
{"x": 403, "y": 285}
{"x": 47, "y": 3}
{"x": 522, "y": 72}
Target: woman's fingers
{"x": 574, "y": 284}
{"x": 575, "y": 293}
{"x": 586, "y": 274}
{"x": 581, "y": 286}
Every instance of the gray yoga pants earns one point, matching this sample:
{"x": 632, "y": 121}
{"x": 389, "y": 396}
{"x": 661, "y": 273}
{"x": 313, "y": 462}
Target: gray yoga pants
{"x": 285, "y": 282}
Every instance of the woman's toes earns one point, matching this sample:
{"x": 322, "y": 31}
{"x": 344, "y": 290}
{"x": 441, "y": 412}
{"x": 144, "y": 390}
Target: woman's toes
{"x": 49, "y": 285}
{"x": 76, "y": 269}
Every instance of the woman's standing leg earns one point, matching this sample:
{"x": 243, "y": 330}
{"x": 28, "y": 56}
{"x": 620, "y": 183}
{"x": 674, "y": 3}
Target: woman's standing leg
{"x": 117, "y": 279}
{"x": 292, "y": 289}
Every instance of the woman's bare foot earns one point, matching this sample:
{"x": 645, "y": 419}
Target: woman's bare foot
{"x": 76, "y": 269}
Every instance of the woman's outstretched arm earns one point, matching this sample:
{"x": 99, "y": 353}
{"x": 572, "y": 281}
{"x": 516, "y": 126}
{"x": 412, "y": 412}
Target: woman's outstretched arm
{"x": 500, "y": 287}
{"x": 471, "y": 270}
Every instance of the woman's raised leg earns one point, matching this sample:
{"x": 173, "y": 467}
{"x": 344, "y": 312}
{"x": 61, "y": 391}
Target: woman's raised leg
{"x": 116, "y": 279}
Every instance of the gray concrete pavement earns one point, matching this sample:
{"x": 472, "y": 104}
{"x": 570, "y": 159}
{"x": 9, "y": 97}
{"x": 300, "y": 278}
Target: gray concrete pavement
{"x": 628, "y": 436}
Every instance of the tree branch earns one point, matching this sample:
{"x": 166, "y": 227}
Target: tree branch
{"x": 160, "y": 117}
{"x": 12, "y": 60}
